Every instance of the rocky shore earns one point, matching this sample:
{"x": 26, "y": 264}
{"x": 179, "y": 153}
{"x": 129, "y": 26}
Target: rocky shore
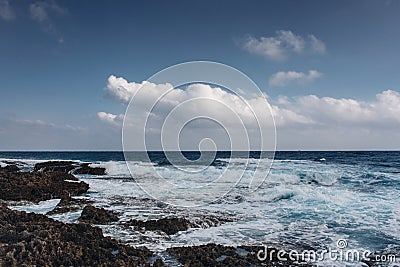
{"x": 218, "y": 255}
{"x": 28, "y": 239}
{"x": 38, "y": 186}
{"x": 95, "y": 215}
{"x": 169, "y": 226}
{"x": 69, "y": 167}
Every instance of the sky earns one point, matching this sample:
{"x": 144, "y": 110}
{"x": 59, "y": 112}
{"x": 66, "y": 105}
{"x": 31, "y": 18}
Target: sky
{"x": 329, "y": 69}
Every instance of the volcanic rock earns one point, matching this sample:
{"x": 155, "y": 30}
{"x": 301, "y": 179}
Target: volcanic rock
{"x": 10, "y": 168}
{"x": 95, "y": 215}
{"x": 38, "y": 186}
{"x": 56, "y": 166}
{"x": 68, "y": 204}
{"x": 169, "y": 226}
{"x": 69, "y": 167}
{"x": 86, "y": 169}
{"x": 28, "y": 239}
{"x": 219, "y": 255}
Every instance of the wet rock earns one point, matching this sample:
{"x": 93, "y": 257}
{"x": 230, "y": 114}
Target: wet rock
{"x": 158, "y": 263}
{"x": 14, "y": 162}
{"x": 10, "y": 168}
{"x": 68, "y": 204}
{"x": 28, "y": 239}
{"x": 68, "y": 201}
{"x": 95, "y": 215}
{"x": 56, "y": 166}
{"x": 219, "y": 255}
{"x": 86, "y": 169}
{"x": 170, "y": 226}
{"x": 69, "y": 167}
{"x": 207, "y": 221}
{"x": 173, "y": 225}
{"x": 38, "y": 186}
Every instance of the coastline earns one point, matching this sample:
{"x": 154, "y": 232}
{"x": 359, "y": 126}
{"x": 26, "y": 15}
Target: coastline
{"x": 36, "y": 239}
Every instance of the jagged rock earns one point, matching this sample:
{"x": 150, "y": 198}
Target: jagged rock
{"x": 207, "y": 221}
{"x": 158, "y": 263}
{"x": 68, "y": 204}
{"x": 14, "y": 162}
{"x": 68, "y": 201}
{"x": 69, "y": 167}
{"x": 95, "y": 215}
{"x": 173, "y": 225}
{"x": 56, "y": 166}
{"x": 219, "y": 255}
{"x": 169, "y": 226}
{"x": 28, "y": 239}
{"x": 10, "y": 168}
{"x": 38, "y": 186}
{"x": 86, "y": 169}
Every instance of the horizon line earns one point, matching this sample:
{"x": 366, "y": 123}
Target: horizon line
{"x": 268, "y": 151}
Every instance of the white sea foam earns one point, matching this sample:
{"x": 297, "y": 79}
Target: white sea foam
{"x": 41, "y": 208}
{"x": 302, "y": 202}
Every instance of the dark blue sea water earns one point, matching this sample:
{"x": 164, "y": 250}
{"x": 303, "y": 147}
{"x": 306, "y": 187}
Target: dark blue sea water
{"x": 310, "y": 199}
{"x": 384, "y": 160}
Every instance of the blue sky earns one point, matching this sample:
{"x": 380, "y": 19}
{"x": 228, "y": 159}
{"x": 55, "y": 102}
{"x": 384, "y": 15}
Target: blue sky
{"x": 56, "y": 58}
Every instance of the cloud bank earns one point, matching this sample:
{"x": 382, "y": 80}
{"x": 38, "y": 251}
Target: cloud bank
{"x": 325, "y": 119}
{"x": 284, "y": 43}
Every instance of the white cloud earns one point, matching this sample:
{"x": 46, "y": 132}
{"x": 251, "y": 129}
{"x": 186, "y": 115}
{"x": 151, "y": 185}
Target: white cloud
{"x": 282, "y": 78}
{"x": 303, "y": 122}
{"x": 287, "y": 117}
{"x": 111, "y": 118}
{"x": 318, "y": 123}
{"x": 6, "y": 11}
{"x": 317, "y": 45}
{"x": 328, "y": 111}
{"x": 309, "y": 109}
{"x": 184, "y": 105}
{"x": 122, "y": 90}
{"x": 279, "y": 47}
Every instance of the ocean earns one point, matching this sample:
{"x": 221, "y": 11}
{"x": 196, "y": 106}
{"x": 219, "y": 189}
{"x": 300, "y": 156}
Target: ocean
{"x": 309, "y": 200}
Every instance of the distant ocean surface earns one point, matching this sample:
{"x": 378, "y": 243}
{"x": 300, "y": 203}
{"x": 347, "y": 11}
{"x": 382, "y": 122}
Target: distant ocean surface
{"x": 309, "y": 200}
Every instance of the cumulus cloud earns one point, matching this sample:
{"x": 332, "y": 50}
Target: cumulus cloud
{"x": 111, "y": 118}
{"x": 309, "y": 120}
{"x": 6, "y": 11}
{"x": 169, "y": 97}
{"x": 280, "y": 46}
{"x": 154, "y": 104}
{"x": 282, "y": 78}
{"x": 339, "y": 123}
{"x": 309, "y": 109}
{"x": 121, "y": 90}
{"x": 328, "y": 111}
